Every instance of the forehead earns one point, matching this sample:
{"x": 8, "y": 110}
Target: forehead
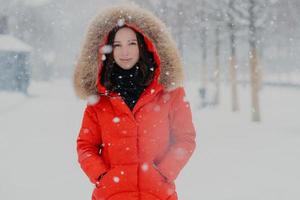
{"x": 125, "y": 34}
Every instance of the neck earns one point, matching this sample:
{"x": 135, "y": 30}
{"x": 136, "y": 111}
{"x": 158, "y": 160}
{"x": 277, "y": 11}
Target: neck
{"x": 125, "y": 77}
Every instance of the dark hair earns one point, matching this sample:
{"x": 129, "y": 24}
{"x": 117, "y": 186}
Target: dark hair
{"x": 145, "y": 62}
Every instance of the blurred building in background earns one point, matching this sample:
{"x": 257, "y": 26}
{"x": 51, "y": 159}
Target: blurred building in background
{"x": 14, "y": 60}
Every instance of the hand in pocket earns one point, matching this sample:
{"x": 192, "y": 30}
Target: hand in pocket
{"x": 100, "y": 178}
{"x": 155, "y": 167}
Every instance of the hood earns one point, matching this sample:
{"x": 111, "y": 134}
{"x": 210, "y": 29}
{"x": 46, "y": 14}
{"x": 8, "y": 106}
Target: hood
{"x": 169, "y": 72}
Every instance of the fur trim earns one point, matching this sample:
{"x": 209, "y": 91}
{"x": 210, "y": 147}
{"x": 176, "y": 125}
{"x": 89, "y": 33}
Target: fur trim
{"x": 86, "y": 70}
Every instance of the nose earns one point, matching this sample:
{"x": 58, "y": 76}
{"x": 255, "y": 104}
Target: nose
{"x": 125, "y": 52}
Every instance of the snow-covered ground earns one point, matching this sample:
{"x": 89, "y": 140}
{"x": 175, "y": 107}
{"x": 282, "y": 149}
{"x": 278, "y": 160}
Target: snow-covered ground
{"x": 235, "y": 158}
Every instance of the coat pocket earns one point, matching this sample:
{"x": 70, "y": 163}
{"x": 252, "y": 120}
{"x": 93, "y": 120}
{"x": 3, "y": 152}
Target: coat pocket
{"x": 154, "y": 183}
{"x": 162, "y": 175}
{"x": 99, "y": 183}
{"x": 119, "y": 179}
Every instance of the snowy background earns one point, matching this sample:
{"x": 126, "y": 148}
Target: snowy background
{"x": 235, "y": 158}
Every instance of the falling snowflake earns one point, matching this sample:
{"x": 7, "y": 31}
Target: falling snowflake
{"x": 157, "y": 108}
{"x": 122, "y": 172}
{"x": 185, "y": 99}
{"x": 145, "y": 167}
{"x": 86, "y": 130}
{"x": 152, "y": 69}
{"x": 93, "y": 99}
{"x": 116, "y": 119}
{"x": 152, "y": 91}
{"x": 216, "y": 72}
{"x": 121, "y": 22}
{"x": 120, "y": 77}
{"x": 127, "y": 148}
{"x": 106, "y": 49}
{"x": 167, "y": 73}
{"x": 116, "y": 179}
{"x": 103, "y": 57}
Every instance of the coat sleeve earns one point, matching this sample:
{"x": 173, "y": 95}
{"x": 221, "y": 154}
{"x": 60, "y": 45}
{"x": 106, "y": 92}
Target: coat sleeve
{"x": 88, "y": 146}
{"x": 183, "y": 136}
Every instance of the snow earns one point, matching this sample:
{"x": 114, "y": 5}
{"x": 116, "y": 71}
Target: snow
{"x": 10, "y": 43}
{"x": 93, "y": 99}
{"x": 145, "y": 167}
{"x": 106, "y": 49}
{"x": 116, "y": 179}
{"x": 103, "y": 57}
{"x": 86, "y": 130}
{"x": 234, "y": 159}
{"x": 116, "y": 119}
{"x": 121, "y": 22}
{"x": 156, "y": 108}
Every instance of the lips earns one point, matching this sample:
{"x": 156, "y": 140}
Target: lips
{"x": 125, "y": 60}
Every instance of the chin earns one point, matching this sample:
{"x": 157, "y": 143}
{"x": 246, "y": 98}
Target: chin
{"x": 127, "y": 66}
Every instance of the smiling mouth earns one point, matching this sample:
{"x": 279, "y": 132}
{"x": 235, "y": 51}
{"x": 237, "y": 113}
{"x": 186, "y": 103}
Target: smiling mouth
{"x": 125, "y": 60}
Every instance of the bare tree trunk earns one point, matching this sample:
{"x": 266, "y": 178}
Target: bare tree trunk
{"x": 232, "y": 61}
{"x": 204, "y": 56}
{"x": 232, "y": 70}
{"x": 254, "y": 86}
{"x": 253, "y": 58}
{"x": 217, "y": 66}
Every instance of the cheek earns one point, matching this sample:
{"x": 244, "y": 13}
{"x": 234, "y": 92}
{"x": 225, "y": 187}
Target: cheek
{"x": 136, "y": 53}
{"x": 115, "y": 54}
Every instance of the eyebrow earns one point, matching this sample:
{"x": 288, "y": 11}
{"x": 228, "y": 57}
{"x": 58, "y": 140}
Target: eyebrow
{"x": 132, "y": 40}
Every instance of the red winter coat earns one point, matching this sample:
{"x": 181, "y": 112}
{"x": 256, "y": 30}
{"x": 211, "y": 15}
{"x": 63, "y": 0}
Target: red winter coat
{"x": 141, "y": 151}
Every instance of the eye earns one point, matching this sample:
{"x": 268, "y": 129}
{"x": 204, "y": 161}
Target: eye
{"x": 116, "y": 45}
{"x": 132, "y": 43}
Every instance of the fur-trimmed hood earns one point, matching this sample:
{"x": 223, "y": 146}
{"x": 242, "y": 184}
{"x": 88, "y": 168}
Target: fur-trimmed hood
{"x": 87, "y": 70}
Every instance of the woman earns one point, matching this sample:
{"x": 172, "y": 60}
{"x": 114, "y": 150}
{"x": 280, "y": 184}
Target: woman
{"x": 137, "y": 132}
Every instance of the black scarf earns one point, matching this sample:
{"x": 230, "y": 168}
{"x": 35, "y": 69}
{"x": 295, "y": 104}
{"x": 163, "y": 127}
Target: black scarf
{"x": 126, "y": 83}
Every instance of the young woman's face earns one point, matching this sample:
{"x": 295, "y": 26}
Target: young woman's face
{"x": 125, "y": 48}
